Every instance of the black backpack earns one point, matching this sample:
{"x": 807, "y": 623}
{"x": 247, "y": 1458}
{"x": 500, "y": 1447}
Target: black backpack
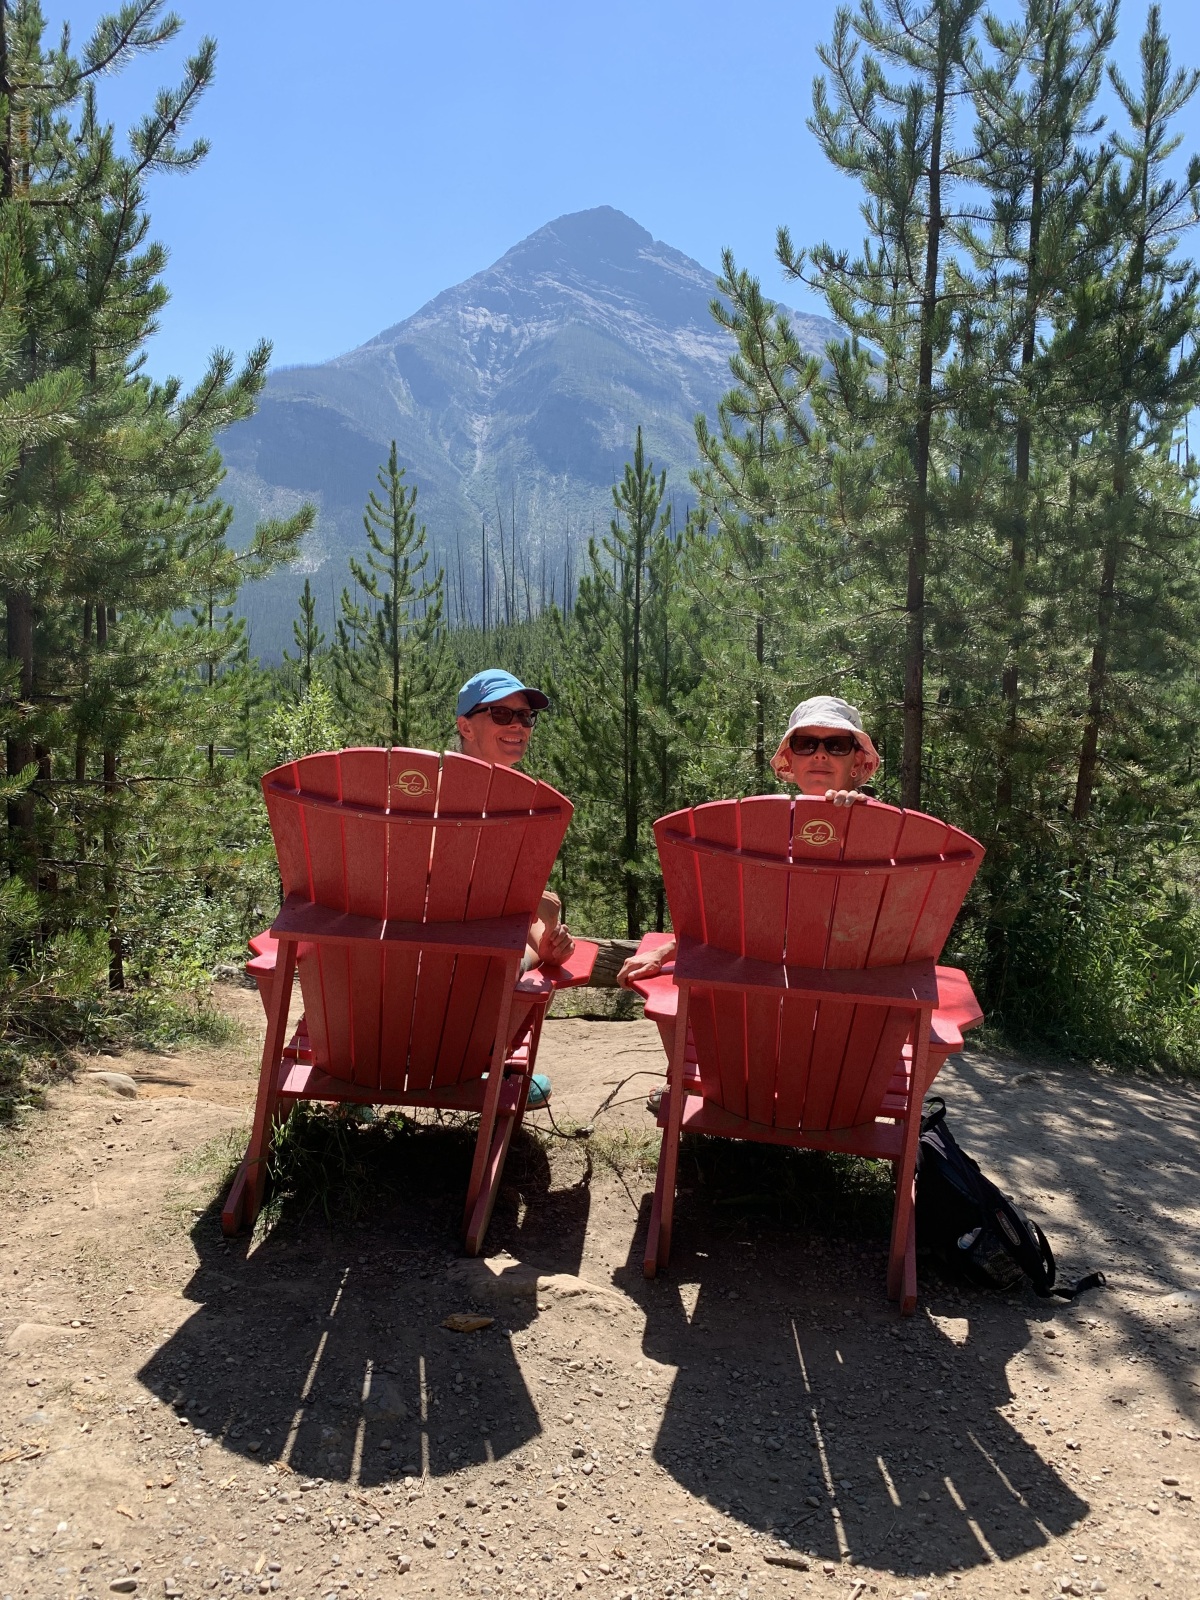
{"x": 973, "y": 1229}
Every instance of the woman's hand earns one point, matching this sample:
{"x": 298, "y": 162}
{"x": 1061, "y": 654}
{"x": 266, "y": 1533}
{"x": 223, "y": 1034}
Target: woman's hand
{"x": 844, "y": 797}
{"x": 555, "y": 946}
{"x": 646, "y": 964}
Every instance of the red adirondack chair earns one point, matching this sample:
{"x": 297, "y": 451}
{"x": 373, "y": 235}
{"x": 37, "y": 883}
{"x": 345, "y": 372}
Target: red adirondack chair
{"x": 409, "y": 883}
{"x": 804, "y": 1007}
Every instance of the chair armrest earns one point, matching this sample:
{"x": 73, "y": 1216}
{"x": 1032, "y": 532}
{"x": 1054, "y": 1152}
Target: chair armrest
{"x": 645, "y": 986}
{"x": 660, "y": 994}
{"x": 944, "y": 1035}
{"x": 957, "y": 1004}
{"x": 575, "y": 970}
{"x": 957, "y": 1008}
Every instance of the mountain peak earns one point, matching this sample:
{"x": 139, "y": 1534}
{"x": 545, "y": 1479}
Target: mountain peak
{"x": 585, "y": 238}
{"x": 521, "y": 388}
{"x": 593, "y": 265}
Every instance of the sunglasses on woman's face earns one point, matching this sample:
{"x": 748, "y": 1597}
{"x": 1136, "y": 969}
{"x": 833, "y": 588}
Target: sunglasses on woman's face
{"x": 504, "y": 716}
{"x": 833, "y": 744}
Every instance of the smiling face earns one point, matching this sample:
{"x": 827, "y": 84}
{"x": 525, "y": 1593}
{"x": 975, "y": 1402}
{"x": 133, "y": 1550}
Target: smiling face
{"x": 815, "y": 774}
{"x": 487, "y": 741}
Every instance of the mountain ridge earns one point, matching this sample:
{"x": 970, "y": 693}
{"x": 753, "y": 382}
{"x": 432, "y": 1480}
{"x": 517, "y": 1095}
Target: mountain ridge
{"x": 518, "y": 389}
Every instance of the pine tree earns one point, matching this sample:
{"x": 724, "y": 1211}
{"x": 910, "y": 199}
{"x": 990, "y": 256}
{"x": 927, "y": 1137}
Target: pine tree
{"x": 390, "y": 647}
{"x": 1036, "y": 109}
{"x": 760, "y": 483}
{"x": 620, "y": 690}
{"x": 108, "y": 523}
{"x": 896, "y": 136}
{"x": 1131, "y": 346}
{"x": 308, "y": 635}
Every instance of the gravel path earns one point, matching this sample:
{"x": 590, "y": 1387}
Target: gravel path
{"x": 181, "y": 1417}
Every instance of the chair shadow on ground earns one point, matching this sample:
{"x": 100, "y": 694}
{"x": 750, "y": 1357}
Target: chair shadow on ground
{"x": 802, "y": 1403}
{"x": 323, "y": 1346}
{"x": 805, "y": 1406}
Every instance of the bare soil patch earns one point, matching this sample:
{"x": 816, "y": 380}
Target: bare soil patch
{"x": 181, "y": 1416}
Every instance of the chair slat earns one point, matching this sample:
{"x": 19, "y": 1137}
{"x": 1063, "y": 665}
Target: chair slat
{"x": 287, "y": 830}
{"x": 765, "y": 828}
{"x": 496, "y": 856}
{"x": 721, "y": 895}
{"x": 872, "y": 833}
{"x": 946, "y": 895}
{"x": 463, "y": 788}
{"x": 681, "y": 876}
{"x": 797, "y": 1027}
{"x": 321, "y": 775}
{"x": 543, "y": 840}
{"x": 325, "y": 974}
{"x": 413, "y": 777}
{"x": 818, "y": 832}
{"x": 364, "y": 783}
{"x": 904, "y": 896}
{"x": 921, "y": 838}
{"x": 897, "y": 1026}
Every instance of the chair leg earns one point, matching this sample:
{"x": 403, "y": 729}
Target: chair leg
{"x": 481, "y": 1212}
{"x": 662, "y": 1212}
{"x": 246, "y": 1191}
{"x": 908, "y": 1296}
{"x": 485, "y": 1167}
{"x": 901, "y": 1274}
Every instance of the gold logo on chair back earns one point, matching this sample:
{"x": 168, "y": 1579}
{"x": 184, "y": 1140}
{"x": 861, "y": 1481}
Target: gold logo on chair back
{"x": 412, "y": 782}
{"x": 818, "y": 831}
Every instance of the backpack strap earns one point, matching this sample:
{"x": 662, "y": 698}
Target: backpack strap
{"x": 1090, "y": 1280}
{"x": 1030, "y": 1249}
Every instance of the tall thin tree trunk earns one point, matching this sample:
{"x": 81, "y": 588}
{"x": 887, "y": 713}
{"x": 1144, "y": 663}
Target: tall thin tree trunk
{"x": 211, "y": 676}
{"x": 6, "y": 149}
{"x": 105, "y": 615}
{"x": 19, "y": 752}
{"x": 918, "y": 546}
{"x": 1010, "y": 684}
{"x": 1085, "y": 781}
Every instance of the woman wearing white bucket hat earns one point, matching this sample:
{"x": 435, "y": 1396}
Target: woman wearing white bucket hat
{"x": 825, "y": 751}
{"x": 827, "y": 755}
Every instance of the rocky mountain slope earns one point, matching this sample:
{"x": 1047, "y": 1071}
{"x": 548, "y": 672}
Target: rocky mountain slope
{"x": 517, "y": 392}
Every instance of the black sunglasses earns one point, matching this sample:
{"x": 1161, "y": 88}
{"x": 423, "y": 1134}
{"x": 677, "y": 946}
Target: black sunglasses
{"x": 834, "y": 744}
{"x": 504, "y": 716}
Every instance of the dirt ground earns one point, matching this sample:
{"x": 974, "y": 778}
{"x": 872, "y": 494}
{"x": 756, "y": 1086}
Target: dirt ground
{"x": 181, "y": 1416}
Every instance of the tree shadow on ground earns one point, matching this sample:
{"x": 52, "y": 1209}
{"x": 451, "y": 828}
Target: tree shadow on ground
{"x": 322, "y": 1345}
{"x": 805, "y": 1406}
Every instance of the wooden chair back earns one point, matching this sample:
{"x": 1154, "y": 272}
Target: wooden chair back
{"x": 414, "y": 837}
{"x": 805, "y": 884}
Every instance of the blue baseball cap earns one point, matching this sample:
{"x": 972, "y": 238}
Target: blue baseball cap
{"x": 492, "y": 684}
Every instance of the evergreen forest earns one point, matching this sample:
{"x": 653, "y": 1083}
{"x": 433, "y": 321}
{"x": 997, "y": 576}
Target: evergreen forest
{"x": 974, "y": 516}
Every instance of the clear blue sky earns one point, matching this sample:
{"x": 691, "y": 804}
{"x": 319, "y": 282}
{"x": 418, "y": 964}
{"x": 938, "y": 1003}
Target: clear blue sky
{"x": 367, "y": 155}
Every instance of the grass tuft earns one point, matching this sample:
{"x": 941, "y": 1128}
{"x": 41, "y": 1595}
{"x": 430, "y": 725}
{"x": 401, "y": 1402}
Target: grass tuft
{"x": 626, "y": 1151}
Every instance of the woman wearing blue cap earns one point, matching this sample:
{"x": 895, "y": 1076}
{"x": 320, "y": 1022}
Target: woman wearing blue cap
{"x": 496, "y": 714}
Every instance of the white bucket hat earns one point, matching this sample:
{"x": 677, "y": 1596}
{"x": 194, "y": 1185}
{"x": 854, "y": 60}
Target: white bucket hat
{"x": 826, "y": 711}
